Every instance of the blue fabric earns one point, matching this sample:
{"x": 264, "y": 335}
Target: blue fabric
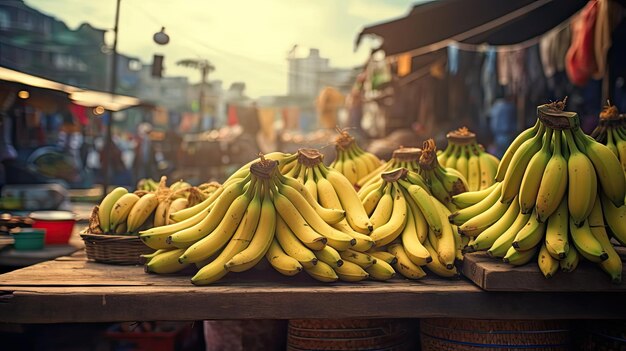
{"x": 503, "y": 125}
{"x": 453, "y": 59}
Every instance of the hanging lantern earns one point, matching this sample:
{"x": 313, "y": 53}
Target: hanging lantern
{"x": 160, "y": 37}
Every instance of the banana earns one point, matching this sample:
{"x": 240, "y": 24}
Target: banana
{"x": 156, "y": 238}
{"x": 189, "y": 236}
{"x": 140, "y": 212}
{"x": 121, "y": 228}
{"x": 453, "y": 157}
{"x": 186, "y": 213}
{"x": 362, "y": 242}
{"x": 329, "y": 256}
{"x": 518, "y": 258}
{"x": 435, "y": 265}
{"x": 420, "y": 222}
{"x": 473, "y": 169}
{"x": 261, "y": 240}
{"x": 105, "y": 207}
{"x": 329, "y": 199}
{"x": 166, "y": 262}
{"x": 446, "y": 246}
{"x": 177, "y": 205}
{"x": 363, "y": 192}
{"x": 586, "y": 244}
{"x": 608, "y": 168}
{"x": 362, "y": 259}
{"x": 372, "y": 199}
{"x": 504, "y": 241}
{"x": 531, "y": 181}
{"x": 413, "y": 247}
{"x": 357, "y": 218}
{"x": 161, "y": 213}
{"x": 299, "y": 196}
{"x": 582, "y": 182}
{"x": 390, "y": 230}
{"x": 480, "y": 222}
{"x": 310, "y": 184}
{"x": 381, "y": 270}
{"x": 530, "y": 235}
{"x": 610, "y": 143}
{"x": 145, "y": 258}
{"x": 224, "y": 231}
{"x": 470, "y": 198}
{"x": 442, "y": 157}
{"x": 553, "y": 183}
{"x": 351, "y": 272}
{"x": 463, "y": 215}
{"x": 284, "y": 264}
{"x": 384, "y": 208}
{"x": 621, "y": 148}
{"x": 350, "y": 169}
{"x": 121, "y": 208}
{"x": 298, "y": 225}
{"x": 487, "y": 237}
{"x": 615, "y": 217}
{"x": 322, "y": 272}
{"x": 547, "y": 264}
{"x": 488, "y": 168}
{"x": 462, "y": 161}
{"x": 570, "y": 262}
{"x": 518, "y": 163}
{"x": 557, "y": 232}
{"x": 426, "y": 205}
{"x": 513, "y": 149}
{"x": 374, "y": 174}
{"x": 613, "y": 264}
{"x": 292, "y": 245}
{"x": 384, "y": 256}
{"x": 404, "y": 265}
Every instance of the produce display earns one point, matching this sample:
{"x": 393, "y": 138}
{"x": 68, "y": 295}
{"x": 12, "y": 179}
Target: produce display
{"x": 468, "y": 157}
{"x": 124, "y": 212}
{"x": 556, "y": 188}
{"x": 352, "y": 161}
{"x": 403, "y": 157}
{"x": 411, "y": 225}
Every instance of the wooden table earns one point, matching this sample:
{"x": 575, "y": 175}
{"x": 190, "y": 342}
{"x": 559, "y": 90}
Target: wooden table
{"x": 71, "y": 289}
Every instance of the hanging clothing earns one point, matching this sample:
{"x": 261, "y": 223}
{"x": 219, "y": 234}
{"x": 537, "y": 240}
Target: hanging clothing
{"x": 580, "y": 62}
{"x": 489, "y": 78}
{"x": 453, "y": 59}
{"x": 602, "y": 38}
{"x": 511, "y": 70}
{"x": 553, "y": 48}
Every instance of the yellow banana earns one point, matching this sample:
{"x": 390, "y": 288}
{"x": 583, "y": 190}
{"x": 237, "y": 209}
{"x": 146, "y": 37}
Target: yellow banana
{"x": 299, "y": 196}
{"x": 363, "y": 242}
{"x": 570, "y": 262}
{"x": 487, "y": 237}
{"x": 389, "y": 231}
{"x": 373, "y": 174}
{"x": 292, "y": 245}
{"x": 531, "y": 181}
{"x": 452, "y": 157}
{"x": 186, "y": 213}
{"x": 284, "y": 264}
{"x": 140, "y": 212}
{"x": 362, "y": 259}
{"x": 322, "y": 272}
{"x": 518, "y": 258}
{"x": 462, "y": 161}
{"x": 426, "y": 205}
{"x": 105, "y": 207}
{"x": 582, "y": 182}
{"x": 261, "y": 240}
{"x": 404, "y": 265}
{"x": 613, "y": 264}
{"x": 502, "y": 244}
{"x": 530, "y": 235}
{"x": 121, "y": 228}
{"x": 161, "y": 213}
{"x": 513, "y": 149}
{"x": 222, "y": 234}
{"x": 488, "y": 167}
{"x": 608, "y": 168}
{"x": 381, "y": 270}
{"x": 435, "y": 265}
{"x": 357, "y": 217}
{"x": 615, "y": 217}
{"x": 446, "y": 246}
{"x": 177, "y": 205}
{"x": 310, "y": 184}
{"x": 372, "y": 199}
{"x": 586, "y": 244}
{"x": 470, "y": 198}
{"x": 351, "y": 272}
{"x": 557, "y": 232}
{"x": 383, "y": 256}
{"x": 547, "y": 264}
{"x": 421, "y": 224}
{"x": 156, "y": 238}
{"x": 166, "y": 262}
{"x": 384, "y": 208}
{"x": 515, "y": 171}
{"x": 121, "y": 209}
{"x": 553, "y": 183}
{"x": 473, "y": 170}
{"x": 329, "y": 256}
{"x": 412, "y": 245}
{"x": 463, "y": 215}
{"x": 476, "y": 225}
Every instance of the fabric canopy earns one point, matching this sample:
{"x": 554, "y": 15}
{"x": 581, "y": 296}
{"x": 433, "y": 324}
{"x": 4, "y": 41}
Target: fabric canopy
{"x": 475, "y": 21}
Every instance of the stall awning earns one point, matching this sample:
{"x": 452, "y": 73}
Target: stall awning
{"x": 87, "y": 98}
{"x": 491, "y": 22}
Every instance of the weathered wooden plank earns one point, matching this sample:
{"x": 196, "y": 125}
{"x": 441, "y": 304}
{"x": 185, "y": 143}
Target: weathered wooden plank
{"x": 495, "y": 275}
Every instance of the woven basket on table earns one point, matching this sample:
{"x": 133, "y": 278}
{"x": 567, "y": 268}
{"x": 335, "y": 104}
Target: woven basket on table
{"x": 115, "y": 249}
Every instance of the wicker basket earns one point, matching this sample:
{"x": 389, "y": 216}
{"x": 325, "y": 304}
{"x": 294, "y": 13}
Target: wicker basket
{"x": 115, "y": 249}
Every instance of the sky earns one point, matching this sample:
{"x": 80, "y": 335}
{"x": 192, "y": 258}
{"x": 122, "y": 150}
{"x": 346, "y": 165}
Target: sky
{"x": 245, "y": 40}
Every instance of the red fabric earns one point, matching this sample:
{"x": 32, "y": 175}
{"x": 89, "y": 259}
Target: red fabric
{"x": 232, "y": 115}
{"x": 580, "y": 62}
{"x": 80, "y": 113}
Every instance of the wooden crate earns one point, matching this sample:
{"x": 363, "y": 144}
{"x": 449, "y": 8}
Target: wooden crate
{"x": 494, "y": 275}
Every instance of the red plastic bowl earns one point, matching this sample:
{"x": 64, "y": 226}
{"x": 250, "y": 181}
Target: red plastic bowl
{"x": 58, "y": 225}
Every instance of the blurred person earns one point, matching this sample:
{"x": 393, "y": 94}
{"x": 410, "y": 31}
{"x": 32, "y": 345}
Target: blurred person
{"x": 328, "y": 103}
{"x": 503, "y": 122}
{"x": 144, "y": 163}
{"x": 354, "y": 104}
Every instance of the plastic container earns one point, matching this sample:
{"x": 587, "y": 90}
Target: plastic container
{"x": 29, "y": 239}
{"x": 58, "y": 225}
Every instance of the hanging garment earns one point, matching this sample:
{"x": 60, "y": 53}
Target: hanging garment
{"x": 580, "y": 62}
{"x": 511, "y": 70}
{"x": 602, "y": 38}
{"x": 404, "y": 64}
{"x": 453, "y": 59}
{"x": 489, "y": 78}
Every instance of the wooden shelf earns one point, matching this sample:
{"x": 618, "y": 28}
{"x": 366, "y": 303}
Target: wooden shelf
{"x": 71, "y": 289}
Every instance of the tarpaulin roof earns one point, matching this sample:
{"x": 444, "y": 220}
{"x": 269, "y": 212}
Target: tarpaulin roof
{"x": 87, "y": 98}
{"x": 473, "y": 21}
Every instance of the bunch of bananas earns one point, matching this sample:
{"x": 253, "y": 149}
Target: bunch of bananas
{"x": 611, "y": 131}
{"x": 468, "y": 157}
{"x": 555, "y": 187}
{"x": 123, "y": 212}
{"x": 403, "y": 157}
{"x": 352, "y": 161}
{"x": 411, "y": 228}
{"x": 443, "y": 182}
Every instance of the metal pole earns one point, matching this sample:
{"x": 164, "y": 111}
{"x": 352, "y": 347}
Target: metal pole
{"x": 108, "y": 142}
